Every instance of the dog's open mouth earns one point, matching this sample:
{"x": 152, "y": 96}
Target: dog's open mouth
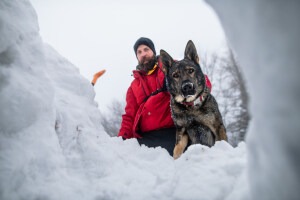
{"x": 190, "y": 98}
{"x": 188, "y": 94}
{"x": 187, "y": 100}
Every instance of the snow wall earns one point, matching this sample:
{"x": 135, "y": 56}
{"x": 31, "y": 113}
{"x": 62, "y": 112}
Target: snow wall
{"x": 265, "y": 37}
{"x": 52, "y": 145}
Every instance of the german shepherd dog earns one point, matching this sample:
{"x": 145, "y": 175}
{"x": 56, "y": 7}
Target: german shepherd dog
{"x": 195, "y": 111}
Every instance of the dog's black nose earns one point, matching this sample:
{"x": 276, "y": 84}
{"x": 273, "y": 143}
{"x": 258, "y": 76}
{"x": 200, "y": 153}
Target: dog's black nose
{"x": 187, "y": 88}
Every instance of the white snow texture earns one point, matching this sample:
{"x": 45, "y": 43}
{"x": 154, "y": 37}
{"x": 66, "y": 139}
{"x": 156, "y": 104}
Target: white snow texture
{"x": 52, "y": 145}
{"x": 265, "y": 35}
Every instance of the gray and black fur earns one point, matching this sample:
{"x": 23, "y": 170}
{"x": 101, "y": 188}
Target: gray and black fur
{"x": 196, "y": 120}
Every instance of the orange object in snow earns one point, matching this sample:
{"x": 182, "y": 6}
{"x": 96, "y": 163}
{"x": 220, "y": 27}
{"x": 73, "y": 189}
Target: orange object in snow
{"x": 97, "y": 75}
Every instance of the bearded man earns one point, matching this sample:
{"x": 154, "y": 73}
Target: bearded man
{"x": 147, "y": 112}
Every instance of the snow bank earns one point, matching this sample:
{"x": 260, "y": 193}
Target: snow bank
{"x": 53, "y": 147}
{"x": 265, "y": 36}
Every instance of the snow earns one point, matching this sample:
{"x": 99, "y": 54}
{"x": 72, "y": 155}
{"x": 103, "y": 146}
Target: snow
{"x": 266, "y": 38}
{"x": 52, "y": 145}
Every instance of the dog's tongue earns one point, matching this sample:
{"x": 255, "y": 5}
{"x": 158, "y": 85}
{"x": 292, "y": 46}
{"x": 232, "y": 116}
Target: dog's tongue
{"x": 188, "y": 103}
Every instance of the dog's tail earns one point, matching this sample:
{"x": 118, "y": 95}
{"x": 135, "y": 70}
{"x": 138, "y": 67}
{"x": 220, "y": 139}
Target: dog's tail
{"x": 97, "y": 75}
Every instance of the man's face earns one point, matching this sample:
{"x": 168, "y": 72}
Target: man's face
{"x": 144, "y": 54}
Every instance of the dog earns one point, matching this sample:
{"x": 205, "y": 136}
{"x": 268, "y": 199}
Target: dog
{"x": 194, "y": 110}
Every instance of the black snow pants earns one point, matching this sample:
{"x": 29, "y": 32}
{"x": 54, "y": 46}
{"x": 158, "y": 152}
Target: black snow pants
{"x": 165, "y": 138}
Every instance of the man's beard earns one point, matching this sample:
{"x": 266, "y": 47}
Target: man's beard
{"x": 147, "y": 66}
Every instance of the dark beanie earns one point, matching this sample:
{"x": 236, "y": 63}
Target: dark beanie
{"x": 144, "y": 41}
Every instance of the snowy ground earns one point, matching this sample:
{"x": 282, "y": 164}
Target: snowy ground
{"x": 265, "y": 35}
{"x": 52, "y": 145}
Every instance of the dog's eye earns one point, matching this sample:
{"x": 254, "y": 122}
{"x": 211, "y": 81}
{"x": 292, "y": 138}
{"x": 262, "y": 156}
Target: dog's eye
{"x": 190, "y": 71}
{"x": 175, "y": 75}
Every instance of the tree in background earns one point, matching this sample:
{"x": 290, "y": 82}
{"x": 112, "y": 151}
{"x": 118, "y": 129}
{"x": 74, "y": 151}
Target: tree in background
{"x": 111, "y": 121}
{"x": 229, "y": 89}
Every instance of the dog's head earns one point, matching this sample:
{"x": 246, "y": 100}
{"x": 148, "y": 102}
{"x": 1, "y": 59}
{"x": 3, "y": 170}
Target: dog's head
{"x": 185, "y": 79}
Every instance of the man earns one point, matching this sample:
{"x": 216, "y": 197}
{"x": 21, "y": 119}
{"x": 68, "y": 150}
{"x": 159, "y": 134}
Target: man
{"x": 147, "y": 113}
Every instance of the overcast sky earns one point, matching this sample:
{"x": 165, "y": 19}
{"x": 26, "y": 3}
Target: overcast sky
{"x": 100, "y": 34}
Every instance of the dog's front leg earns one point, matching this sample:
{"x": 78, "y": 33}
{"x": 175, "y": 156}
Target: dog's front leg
{"x": 181, "y": 142}
{"x": 222, "y": 133}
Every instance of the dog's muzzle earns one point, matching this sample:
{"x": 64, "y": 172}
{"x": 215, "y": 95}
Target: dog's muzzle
{"x": 187, "y": 88}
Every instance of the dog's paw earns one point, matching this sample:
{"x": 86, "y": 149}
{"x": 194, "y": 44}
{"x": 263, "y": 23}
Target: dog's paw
{"x": 177, "y": 152}
{"x": 176, "y": 156}
{"x": 180, "y": 146}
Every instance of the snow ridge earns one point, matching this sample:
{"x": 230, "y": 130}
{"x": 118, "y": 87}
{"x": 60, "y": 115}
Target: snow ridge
{"x": 52, "y": 145}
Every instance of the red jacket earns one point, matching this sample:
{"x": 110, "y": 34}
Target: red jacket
{"x": 141, "y": 115}
{"x": 149, "y": 115}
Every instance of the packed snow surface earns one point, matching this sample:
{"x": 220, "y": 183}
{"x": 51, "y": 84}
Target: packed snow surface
{"x": 52, "y": 145}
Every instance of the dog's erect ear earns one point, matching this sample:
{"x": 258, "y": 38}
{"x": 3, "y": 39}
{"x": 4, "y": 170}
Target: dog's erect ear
{"x": 191, "y": 52}
{"x": 166, "y": 61}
